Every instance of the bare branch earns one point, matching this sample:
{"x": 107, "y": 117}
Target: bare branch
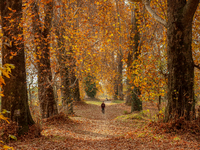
{"x": 164, "y": 74}
{"x": 7, "y": 41}
{"x": 153, "y": 13}
{"x": 7, "y": 44}
{"x": 197, "y": 66}
{"x": 73, "y": 84}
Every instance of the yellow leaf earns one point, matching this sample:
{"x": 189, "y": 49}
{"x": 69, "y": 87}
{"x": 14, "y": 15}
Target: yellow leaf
{"x": 10, "y": 8}
{"x": 7, "y": 147}
{"x": 5, "y": 73}
{"x": 2, "y": 80}
{"x": 11, "y": 57}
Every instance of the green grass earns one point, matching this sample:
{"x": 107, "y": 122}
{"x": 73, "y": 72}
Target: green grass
{"x": 113, "y": 102}
{"x": 117, "y": 101}
{"x": 137, "y": 116}
{"x": 94, "y": 102}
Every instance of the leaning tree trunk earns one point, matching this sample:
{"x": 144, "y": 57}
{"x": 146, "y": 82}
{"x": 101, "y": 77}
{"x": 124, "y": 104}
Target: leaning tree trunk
{"x": 15, "y": 89}
{"x": 180, "y": 62}
{"x": 45, "y": 93}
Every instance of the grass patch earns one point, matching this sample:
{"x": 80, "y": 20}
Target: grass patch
{"x": 113, "y": 102}
{"x": 117, "y": 101}
{"x": 94, "y": 102}
{"x": 138, "y": 116}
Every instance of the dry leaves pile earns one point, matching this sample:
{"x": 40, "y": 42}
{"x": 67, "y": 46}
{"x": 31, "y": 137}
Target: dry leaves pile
{"x": 90, "y": 129}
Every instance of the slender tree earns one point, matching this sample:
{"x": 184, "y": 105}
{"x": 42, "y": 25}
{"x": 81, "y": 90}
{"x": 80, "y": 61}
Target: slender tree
{"x": 119, "y": 55}
{"x": 15, "y": 89}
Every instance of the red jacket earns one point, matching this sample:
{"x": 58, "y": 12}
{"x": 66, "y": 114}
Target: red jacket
{"x": 103, "y": 105}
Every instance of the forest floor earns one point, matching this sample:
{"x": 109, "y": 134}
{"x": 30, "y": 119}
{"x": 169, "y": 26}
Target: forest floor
{"x": 89, "y": 129}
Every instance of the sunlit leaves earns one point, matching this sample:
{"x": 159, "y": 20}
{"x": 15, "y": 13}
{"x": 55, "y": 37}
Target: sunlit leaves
{"x": 6, "y": 71}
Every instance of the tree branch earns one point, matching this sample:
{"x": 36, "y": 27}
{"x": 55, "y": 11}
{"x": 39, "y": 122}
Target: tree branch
{"x": 189, "y": 10}
{"x": 153, "y": 13}
{"x": 7, "y": 41}
{"x": 164, "y": 74}
{"x": 197, "y": 66}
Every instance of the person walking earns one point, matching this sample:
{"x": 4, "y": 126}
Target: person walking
{"x": 103, "y": 107}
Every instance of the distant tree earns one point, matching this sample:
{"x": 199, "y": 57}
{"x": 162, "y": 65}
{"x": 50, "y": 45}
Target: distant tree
{"x": 15, "y": 97}
{"x": 90, "y": 86}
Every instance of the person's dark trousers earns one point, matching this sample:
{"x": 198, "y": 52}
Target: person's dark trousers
{"x": 103, "y": 111}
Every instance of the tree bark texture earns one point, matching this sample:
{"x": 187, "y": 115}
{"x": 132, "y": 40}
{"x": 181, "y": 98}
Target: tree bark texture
{"x": 15, "y": 89}
{"x": 180, "y": 62}
{"x": 74, "y": 78}
{"x": 115, "y": 88}
{"x": 75, "y": 84}
{"x": 130, "y": 60}
{"x": 120, "y": 78}
{"x": 136, "y": 103}
{"x": 64, "y": 72}
{"x": 42, "y": 37}
{"x": 120, "y": 55}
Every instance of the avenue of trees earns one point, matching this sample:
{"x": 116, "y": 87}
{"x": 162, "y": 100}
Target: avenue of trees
{"x": 56, "y": 52}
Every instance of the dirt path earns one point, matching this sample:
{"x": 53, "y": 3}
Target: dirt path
{"x": 96, "y": 125}
{"x": 89, "y": 129}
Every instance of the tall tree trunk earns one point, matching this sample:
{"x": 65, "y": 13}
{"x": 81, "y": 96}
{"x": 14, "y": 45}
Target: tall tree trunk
{"x": 69, "y": 79}
{"x": 74, "y": 78}
{"x": 115, "y": 95}
{"x": 120, "y": 78}
{"x": 75, "y": 84}
{"x": 15, "y": 90}
{"x": 120, "y": 56}
{"x": 115, "y": 81}
{"x": 45, "y": 88}
{"x": 65, "y": 60}
{"x": 180, "y": 62}
{"x": 130, "y": 61}
{"x": 64, "y": 72}
{"x": 180, "y": 94}
{"x": 136, "y": 103}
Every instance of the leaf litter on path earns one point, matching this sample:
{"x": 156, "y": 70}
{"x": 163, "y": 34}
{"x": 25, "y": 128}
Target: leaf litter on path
{"x": 89, "y": 129}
